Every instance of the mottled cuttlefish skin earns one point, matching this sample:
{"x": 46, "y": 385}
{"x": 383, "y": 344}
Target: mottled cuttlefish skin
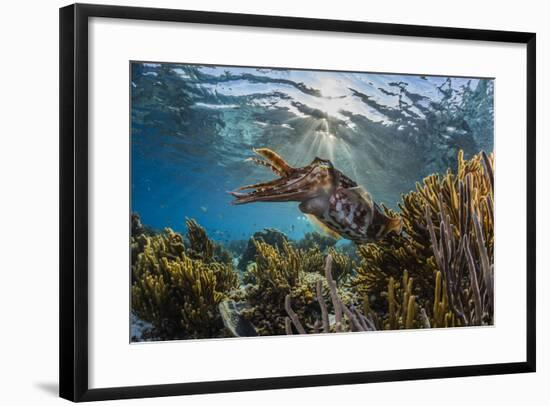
{"x": 325, "y": 194}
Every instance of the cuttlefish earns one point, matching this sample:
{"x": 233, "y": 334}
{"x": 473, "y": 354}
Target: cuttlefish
{"x": 326, "y": 195}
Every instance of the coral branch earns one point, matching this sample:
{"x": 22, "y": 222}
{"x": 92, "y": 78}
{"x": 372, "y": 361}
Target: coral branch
{"x": 443, "y": 218}
{"x": 178, "y": 294}
{"x": 333, "y": 294}
{"x": 288, "y": 326}
{"x": 293, "y": 316}
{"x": 323, "y": 306}
{"x": 355, "y": 320}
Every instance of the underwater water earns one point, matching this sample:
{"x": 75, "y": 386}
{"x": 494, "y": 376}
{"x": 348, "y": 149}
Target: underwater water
{"x": 193, "y": 127}
{"x": 399, "y": 166}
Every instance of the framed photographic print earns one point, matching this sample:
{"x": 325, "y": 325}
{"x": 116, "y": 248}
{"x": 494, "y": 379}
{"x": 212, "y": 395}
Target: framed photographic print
{"x": 257, "y": 202}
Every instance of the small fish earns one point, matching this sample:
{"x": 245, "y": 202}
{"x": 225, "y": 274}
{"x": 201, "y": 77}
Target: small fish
{"x": 326, "y": 196}
{"x": 204, "y": 209}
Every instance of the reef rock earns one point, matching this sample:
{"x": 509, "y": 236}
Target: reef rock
{"x": 233, "y": 321}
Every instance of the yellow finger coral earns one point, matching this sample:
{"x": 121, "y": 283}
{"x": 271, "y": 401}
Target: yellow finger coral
{"x": 275, "y": 274}
{"x": 447, "y": 231}
{"x": 175, "y": 292}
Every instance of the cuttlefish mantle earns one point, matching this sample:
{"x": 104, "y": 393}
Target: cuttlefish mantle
{"x": 324, "y": 193}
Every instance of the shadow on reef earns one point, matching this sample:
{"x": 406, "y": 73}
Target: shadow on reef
{"x": 437, "y": 273}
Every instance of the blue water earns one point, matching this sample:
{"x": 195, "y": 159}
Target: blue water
{"x": 194, "y": 126}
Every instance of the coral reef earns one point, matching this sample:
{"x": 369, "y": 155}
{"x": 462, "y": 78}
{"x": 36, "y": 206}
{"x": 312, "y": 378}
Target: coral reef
{"x": 200, "y": 246}
{"x": 270, "y": 236}
{"x": 139, "y": 329}
{"x": 138, "y": 227}
{"x": 203, "y": 248}
{"x": 237, "y": 247}
{"x": 342, "y": 265}
{"x": 470, "y": 297}
{"x": 176, "y": 290}
{"x": 185, "y": 289}
{"x": 448, "y": 228}
{"x": 403, "y": 311}
{"x": 315, "y": 239}
{"x": 233, "y": 320}
{"x": 345, "y": 318}
{"x": 288, "y": 272}
{"x": 438, "y": 273}
{"x": 275, "y": 274}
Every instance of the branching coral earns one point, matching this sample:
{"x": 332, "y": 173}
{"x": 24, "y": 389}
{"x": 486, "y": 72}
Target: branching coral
{"x": 463, "y": 243}
{"x": 315, "y": 239}
{"x": 274, "y": 268}
{"x": 448, "y": 228}
{"x": 403, "y": 310}
{"x": 311, "y": 260}
{"x": 276, "y": 274}
{"x": 345, "y": 318}
{"x": 270, "y": 236}
{"x": 389, "y": 258}
{"x": 441, "y": 315}
{"x": 175, "y": 292}
{"x": 471, "y": 295}
{"x": 437, "y": 273}
{"x": 342, "y": 265}
{"x": 289, "y": 258}
{"x": 202, "y": 247}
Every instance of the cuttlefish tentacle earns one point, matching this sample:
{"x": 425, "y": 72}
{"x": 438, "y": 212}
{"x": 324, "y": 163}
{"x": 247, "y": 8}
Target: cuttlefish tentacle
{"x": 266, "y": 164}
{"x": 275, "y": 160}
{"x": 260, "y": 185}
{"x": 325, "y": 194}
{"x": 281, "y": 169}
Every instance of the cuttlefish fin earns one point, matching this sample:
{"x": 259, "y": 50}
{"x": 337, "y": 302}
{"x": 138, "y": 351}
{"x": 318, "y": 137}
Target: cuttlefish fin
{"x": 323, "y": 228}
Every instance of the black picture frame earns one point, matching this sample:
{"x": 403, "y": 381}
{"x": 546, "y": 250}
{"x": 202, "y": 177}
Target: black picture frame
{"x": 73, "y": 79}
